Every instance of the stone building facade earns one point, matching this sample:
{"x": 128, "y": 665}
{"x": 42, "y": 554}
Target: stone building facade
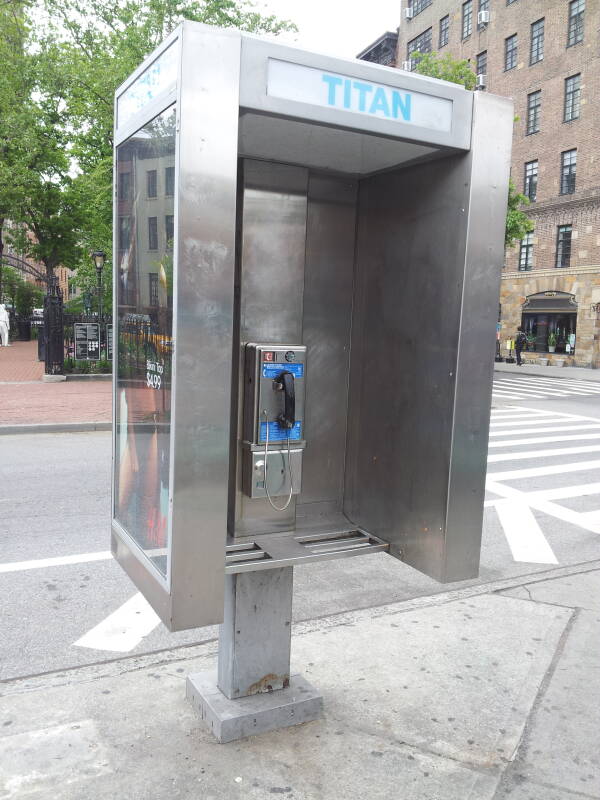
{"x": 545, "y": 55}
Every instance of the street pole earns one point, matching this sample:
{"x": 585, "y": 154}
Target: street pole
{"x": 98, "y": 257}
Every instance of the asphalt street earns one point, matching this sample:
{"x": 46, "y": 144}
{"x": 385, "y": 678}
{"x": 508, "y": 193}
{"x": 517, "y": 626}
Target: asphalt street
{"x": 66, "y": 603}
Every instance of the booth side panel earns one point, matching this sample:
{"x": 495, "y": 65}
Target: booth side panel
{"x": 204, "y": 327}
{"x": 410, "y": 265}
{"x": 490, "y": 166}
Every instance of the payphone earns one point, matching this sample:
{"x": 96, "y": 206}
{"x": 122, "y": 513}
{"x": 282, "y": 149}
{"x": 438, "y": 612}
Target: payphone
{"x": 273, "y": 428}
{"x": 320, "y": 306}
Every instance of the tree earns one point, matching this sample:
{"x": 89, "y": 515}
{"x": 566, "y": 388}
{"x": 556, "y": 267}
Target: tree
{"x": 445, "y": 68}
{"x": 27, "y": 297}
{"x": 517, "y": 222}
{"x": 459, "y": 71}
{"x": 86, "y": 52}
{"x": 35, "y": 184}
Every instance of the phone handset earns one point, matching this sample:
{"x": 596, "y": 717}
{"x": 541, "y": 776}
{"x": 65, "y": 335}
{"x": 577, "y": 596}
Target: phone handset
{"x": 287, "y": 419}
{"x": 285, "y": 383}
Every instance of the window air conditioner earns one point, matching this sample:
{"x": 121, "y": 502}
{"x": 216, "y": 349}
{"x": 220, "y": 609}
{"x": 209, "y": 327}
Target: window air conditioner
{"x": 481, "y": 81}
{"x": 408, "y": 13}
{"x": 483, "y": 17}
{"x": 407, "y": 65}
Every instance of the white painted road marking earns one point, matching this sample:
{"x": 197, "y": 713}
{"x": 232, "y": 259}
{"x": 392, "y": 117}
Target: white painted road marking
{"x": 545, "y": 506}
{"x": 58, "y": 561}
{"x": 545, "y": 440}
{"x": 585, "y": 426}
{"x": 535, "y": 472}
{"x": 523, "y": 534}
{"x": 560, "y": 493}
{"x": 124, "y": 629}
{"x": 564, "y": 451}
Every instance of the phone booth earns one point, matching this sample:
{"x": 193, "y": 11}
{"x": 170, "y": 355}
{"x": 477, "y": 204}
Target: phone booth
{"x": 307, "y": 257}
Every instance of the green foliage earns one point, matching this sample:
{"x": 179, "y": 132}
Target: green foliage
{"x": 11, "y": 280}
{"x": 27, "y": 298}
{"x": 445, "y": 68}
{"x": 517, "y": 222}
{"x": 61, "y": 63}
{"x": 449, "y": 69}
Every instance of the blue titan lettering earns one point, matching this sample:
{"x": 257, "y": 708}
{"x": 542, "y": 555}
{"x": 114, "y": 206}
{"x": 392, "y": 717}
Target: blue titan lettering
{"x": 402, "y": 105}
{"x": 333, "y": 81}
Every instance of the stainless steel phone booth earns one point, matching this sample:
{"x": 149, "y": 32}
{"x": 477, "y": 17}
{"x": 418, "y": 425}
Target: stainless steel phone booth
{"x": 307, "y": 257}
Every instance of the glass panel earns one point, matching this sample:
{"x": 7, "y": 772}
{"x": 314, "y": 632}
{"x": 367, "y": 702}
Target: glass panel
{"x": 145, "y": 347}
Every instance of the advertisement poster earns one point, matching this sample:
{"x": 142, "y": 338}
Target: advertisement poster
{"x": 145, "y": 164}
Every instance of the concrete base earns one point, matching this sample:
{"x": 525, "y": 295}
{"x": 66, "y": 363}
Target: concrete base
{"x": 229, "y": 720}
{"x": 53, "y": 378}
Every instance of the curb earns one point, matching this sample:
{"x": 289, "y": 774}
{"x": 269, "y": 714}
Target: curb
{"x": 102, "y": 376}
{"x": 55, "y": 427}
{"x": 562, "y": 373}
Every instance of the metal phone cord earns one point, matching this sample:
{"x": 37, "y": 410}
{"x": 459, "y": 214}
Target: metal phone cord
{"x": 265, "y": 468}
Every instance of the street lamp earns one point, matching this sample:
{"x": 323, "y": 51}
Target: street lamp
{"x": 99, "y": 257}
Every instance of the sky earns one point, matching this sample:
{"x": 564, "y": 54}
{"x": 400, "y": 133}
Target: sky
{"x": 337, "y": 27}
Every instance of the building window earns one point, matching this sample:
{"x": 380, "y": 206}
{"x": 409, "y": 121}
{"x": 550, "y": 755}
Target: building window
{"x": 563, "y": 246}
{"x": 572, "y": 96}
{"x": 510, "y": 2}
{"x": 169, "y": 181}
{"x": 169, "y": 231}
{"x": 467, "y": 18}
{"x": 124, "y": 233}
{"x": 151, "y": 183}
{"x": 534, "y": 104}
{"x": 531, "y": 179}
{"x": 481, "y": 63}
{"x": 444, "y": 31}
{"x": 526, "y": 253}
{"x": 419, "y": 5}
{"x": 568, "y": 170}
{"x": 510, "y": 52}
{"x": 153, "y": 281}
{"x": 484, "y": 5}
{"x": 124, "y": 185}
{"x": 152, "y": 233}
{"x": 576, "y": 13}
{"x": 536, "y": 49}
{"x": 420, "y": 44}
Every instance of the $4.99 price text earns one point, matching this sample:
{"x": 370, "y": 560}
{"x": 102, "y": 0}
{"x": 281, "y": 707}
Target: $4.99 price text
{"x": 154, "y": 372}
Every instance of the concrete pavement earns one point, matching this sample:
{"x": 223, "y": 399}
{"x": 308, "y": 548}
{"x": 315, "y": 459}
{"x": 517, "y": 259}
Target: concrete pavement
{"x": 485, "y": 693}
{"x": 570, "y": 373}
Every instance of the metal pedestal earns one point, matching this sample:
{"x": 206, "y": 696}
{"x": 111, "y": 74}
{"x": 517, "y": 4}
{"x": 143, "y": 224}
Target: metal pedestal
{"x": 253, "y": 691}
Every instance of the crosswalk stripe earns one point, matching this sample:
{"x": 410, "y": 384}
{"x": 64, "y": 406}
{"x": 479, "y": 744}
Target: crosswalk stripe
{"x": 559, "y": 387}
{"x": 560, "y": 451}
{"x": 566, "y": 382}
{"x": 577, "y": 437}
{"x": 523, "y": 534}
{"x": 520, "y": 415}
{"x": 552, "y": 420}
{"x": 536, "y": 472}
{"x": 541, "y": 430}
{"x": 559, "y": 493}
{"x": 522, "y": 386}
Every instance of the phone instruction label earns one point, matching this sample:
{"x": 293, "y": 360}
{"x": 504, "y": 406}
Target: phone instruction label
{"x": 275, "y": 370}
{"x": 276, "y": 432}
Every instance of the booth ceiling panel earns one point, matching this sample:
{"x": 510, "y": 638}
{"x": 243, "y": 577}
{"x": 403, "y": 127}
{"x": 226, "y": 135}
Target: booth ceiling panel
{"x": 321, "y": 147}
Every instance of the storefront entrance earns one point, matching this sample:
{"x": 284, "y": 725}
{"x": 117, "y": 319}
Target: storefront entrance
{"x": 550, "y": 322}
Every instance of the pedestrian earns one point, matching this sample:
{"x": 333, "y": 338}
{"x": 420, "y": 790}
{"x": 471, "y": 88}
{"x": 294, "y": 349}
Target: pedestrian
{"x": 4, "y": 325}
{"x": 520, "y": 344}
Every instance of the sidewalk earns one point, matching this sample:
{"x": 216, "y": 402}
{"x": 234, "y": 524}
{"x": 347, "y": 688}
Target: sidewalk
{"x": 479, "y": 694}
{"x": 27, "y": 405}
{"x": 570, "y": 373}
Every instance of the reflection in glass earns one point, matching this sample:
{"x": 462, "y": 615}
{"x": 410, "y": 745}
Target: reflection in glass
{"x": 145, "y": 338}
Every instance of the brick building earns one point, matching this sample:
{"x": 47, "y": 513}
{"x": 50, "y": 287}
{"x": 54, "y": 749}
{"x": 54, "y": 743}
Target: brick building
{"x": 545, "y": 55}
